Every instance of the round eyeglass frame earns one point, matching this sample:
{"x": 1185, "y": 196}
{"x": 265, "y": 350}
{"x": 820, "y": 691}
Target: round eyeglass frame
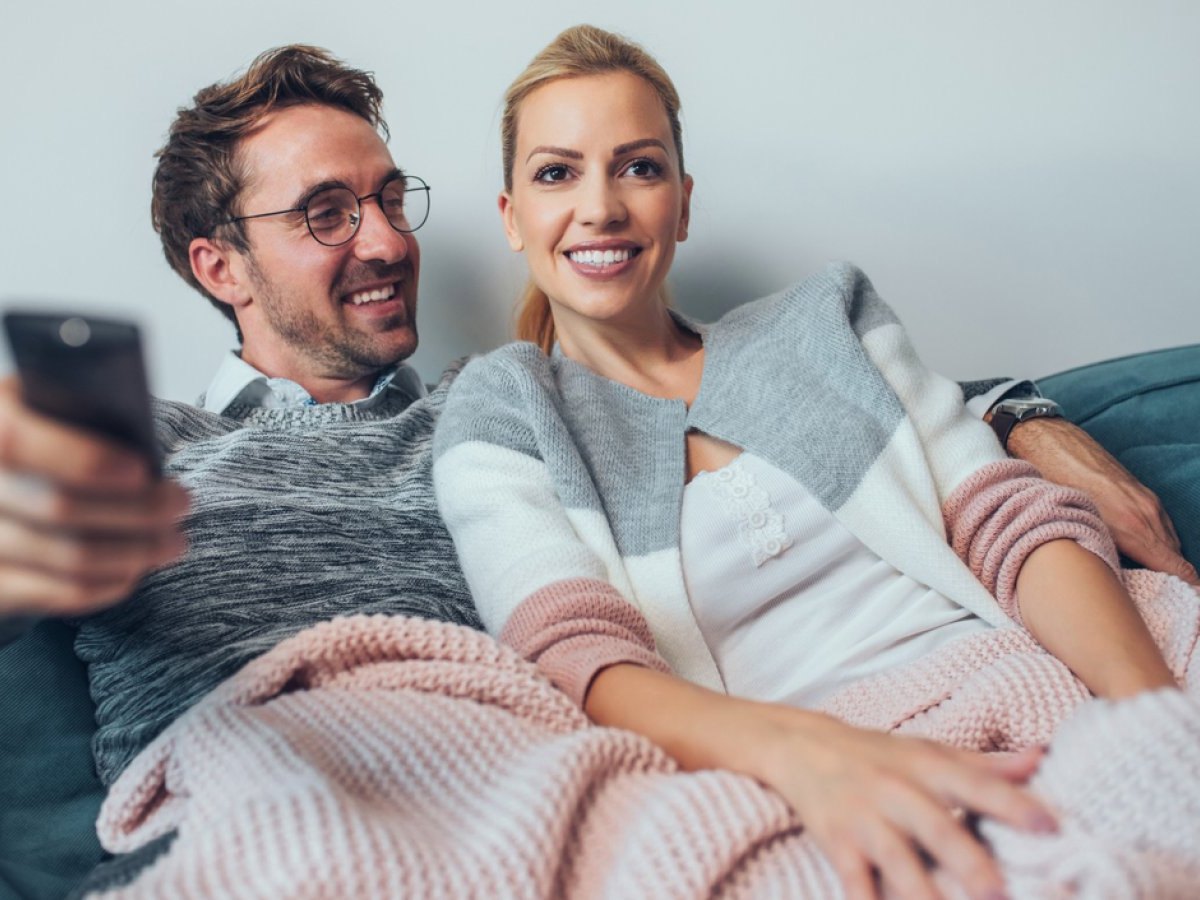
{"x": 378, "y": 197}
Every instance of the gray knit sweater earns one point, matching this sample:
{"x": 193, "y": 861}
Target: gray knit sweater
{"x": 298, "y": 515}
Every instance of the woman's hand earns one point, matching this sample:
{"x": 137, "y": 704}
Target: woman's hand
{"x": 874, "y": 802}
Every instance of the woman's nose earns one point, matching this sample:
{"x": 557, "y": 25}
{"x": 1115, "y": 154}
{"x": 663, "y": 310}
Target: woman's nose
{"x": 601, "y": 203}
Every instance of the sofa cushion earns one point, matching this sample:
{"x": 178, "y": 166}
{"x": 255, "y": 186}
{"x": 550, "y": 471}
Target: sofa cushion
{"x": 49, "y": 792}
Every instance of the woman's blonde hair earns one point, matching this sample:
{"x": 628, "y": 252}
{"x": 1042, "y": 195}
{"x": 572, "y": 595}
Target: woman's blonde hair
{"x": 581, "y": 50}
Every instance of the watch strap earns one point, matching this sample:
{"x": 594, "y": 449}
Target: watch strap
{"x": 1002, "y": 423}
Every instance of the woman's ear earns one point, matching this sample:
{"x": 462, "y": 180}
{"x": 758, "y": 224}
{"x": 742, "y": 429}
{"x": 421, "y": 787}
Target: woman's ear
{"x": 217, "y": 268}
{"x": 685, "y": 212}
{"x": 504, "y": 201}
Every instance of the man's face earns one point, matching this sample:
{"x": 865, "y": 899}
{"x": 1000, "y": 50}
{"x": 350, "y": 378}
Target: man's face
{"x": 318, "y": 314}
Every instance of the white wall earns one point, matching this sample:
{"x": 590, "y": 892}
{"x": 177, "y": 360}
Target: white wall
{"x": 1022, "y": 183}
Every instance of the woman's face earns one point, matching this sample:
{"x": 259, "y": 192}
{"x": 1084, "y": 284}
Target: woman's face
{"x": 598, "y": 201}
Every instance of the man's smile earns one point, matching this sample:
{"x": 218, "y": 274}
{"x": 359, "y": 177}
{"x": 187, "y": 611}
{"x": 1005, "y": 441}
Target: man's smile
{"x": 372, "y": 295}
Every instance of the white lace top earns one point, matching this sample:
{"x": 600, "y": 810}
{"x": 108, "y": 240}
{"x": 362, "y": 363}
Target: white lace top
{"x": 791, "y": 604}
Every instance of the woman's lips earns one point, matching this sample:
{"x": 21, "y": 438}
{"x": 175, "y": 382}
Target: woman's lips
{"x": 602, "y": 261}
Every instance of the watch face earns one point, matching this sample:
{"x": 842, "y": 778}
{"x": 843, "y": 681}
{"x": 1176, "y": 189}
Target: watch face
{"x": 1029, "y": 407}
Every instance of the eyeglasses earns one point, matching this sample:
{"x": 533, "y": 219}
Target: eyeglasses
{"x": 334, "y": 214}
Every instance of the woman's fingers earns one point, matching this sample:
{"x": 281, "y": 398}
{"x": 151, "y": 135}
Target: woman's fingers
{"x": 986, "y": 786}
{"x": 946, "y": 840}
{"x": 872, "y": 799}
{"x": 1017, "y": 767}
{"x": 893, "y": 853}
{"x": 853, "y": 868}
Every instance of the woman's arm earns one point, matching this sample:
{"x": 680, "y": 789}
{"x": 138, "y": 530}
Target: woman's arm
{"x": 1008, "y": 526}
{"x": 1076, "y": 607}
{"x": 870, "y": 800}
{"x": 1003, "y": 520}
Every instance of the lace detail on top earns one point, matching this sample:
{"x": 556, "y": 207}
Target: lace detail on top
{"x": 759, "y": 526}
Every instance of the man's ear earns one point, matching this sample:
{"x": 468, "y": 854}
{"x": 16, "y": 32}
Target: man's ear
{"x": 685, "y": 214}
{"x": 218, "y": 269}
{"x": 504, "y": 201}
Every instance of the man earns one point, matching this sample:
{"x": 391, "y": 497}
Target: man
{"x": 307, "y": 461}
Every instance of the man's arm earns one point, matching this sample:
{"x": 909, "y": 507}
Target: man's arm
{"x": 81, "y": 519}
{"x": 1066, "y": 454}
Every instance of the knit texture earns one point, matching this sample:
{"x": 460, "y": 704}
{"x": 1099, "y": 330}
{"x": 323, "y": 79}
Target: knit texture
{"x": 395, "y": 757}
{"x": 297, "y": 515}
{"x": 552, "y": 478}
{"x": 572, "y": 630}
{"x": 1005, "y": 511}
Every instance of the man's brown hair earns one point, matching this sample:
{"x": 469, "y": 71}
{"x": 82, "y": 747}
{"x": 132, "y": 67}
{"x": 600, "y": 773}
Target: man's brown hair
{"x": 199, "y": 175}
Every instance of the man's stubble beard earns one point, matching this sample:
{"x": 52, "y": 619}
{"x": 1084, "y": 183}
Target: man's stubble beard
{"x": 346, "y": 354}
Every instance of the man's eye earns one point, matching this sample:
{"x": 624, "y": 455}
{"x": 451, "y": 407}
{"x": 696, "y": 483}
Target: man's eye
{"x": 325, "y": 216}
{"x": 644, "y": 168}
{"x": 551, "y": 174}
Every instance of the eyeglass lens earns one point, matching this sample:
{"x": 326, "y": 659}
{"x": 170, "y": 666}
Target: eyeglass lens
{"x": 333, "y": 215}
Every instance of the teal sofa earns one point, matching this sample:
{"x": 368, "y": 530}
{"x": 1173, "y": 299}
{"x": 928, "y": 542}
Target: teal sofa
{"x": 1145, "y": 409}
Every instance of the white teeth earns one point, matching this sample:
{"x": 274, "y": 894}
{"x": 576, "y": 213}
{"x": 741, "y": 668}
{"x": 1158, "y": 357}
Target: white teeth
{"x": 383, "y": 293}
{"x": 600, "y": 257}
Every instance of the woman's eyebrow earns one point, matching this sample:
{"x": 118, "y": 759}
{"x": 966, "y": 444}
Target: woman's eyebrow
{"x": 622, "y": 149}
{"x": 554, "y": 151}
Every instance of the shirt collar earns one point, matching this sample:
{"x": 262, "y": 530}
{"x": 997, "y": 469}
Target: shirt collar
{"x": 239, "y": 382}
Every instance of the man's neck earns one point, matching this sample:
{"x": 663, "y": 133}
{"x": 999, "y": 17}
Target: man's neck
{"x": 338, "y": 390}
{"x": 322, "y": 388}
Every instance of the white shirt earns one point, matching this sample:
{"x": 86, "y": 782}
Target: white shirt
{"x": 791, "y": 604}
{"x": 237, "y": 381}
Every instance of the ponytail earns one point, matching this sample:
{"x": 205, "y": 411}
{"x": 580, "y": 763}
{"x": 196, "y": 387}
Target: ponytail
{"x": 535, "y": 323}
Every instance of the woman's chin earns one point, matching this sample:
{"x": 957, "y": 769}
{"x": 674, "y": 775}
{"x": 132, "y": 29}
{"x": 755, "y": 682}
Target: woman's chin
{"x": 607, "y": 307}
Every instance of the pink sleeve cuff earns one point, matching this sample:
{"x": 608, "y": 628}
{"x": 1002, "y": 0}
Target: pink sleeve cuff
{"x": 575, "y": 628}
{"x": 1005, "y": 511}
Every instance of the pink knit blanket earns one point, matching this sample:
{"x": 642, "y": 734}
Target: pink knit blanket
{"x": 395, "y": 757}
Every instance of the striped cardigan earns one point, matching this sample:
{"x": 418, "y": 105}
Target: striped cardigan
{"x": 562, "y": 489}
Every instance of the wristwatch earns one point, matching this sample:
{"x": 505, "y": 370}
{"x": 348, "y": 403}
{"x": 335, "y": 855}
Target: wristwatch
{"x": 1007, "y": 413}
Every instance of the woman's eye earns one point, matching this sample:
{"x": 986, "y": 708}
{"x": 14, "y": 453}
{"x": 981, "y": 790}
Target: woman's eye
{"x": 551, "y": 174}
{"x": 644, "y": 168}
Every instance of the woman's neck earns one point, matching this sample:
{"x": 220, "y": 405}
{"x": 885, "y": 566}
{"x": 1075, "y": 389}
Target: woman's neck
{"x": 654, "y": 355}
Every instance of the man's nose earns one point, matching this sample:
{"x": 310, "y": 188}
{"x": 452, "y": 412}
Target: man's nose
{"x": 376, "y": 239}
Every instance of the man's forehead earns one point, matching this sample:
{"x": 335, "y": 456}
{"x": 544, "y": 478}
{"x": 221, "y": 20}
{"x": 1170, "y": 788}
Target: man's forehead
{"x": 297, "y": 147}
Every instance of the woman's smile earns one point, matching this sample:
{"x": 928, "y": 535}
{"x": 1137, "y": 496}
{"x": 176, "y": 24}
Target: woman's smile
{"x": 602, "y": 259}
{"x": 598, "y": 201}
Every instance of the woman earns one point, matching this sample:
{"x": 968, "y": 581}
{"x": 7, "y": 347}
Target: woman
{"x": 669, "y": 519}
